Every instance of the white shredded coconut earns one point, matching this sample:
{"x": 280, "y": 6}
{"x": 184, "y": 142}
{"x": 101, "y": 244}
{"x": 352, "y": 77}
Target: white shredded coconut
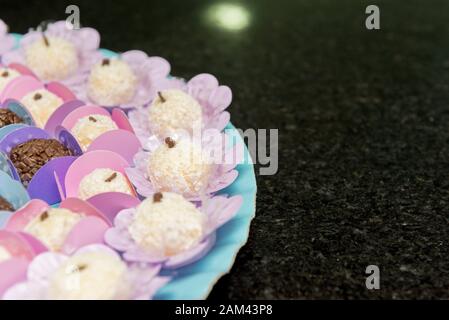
{"x": 181, "y": 169}
{"x": 174, "y": 110}
{"x": 53, "y": 226}
{"x": 41, "y": 104}
{"x": 89, "y": 128}
{"x": 170, "y": 226}
{"x": 101, "y": 181}
{"x": 90, "y": 276}
{"x": 111, "y": 84}
{"x": 53, "y": 62}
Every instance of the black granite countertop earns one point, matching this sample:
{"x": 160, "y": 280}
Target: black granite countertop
{"x": 363, "y": 119}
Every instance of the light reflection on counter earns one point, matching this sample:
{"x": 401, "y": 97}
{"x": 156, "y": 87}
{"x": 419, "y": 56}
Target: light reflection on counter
{"x": 228, "y": 16}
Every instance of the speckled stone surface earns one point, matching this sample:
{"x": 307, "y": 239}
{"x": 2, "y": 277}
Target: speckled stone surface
{"x": 363, "y": 119}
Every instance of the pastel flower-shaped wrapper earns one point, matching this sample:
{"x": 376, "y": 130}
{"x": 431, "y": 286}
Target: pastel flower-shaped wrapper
{"x": 7, "y": 42}
{"x": 89, "y": 229}
{"x": 12, "y": 191}
{"x": 20, "y": 110}
{"x": 142, "y": 278}
{"x": 86, "y": 41}
{"x": 151, "y": 75}
{"x": 109, "y": 203}
{"x": 21, "y": 86}
{"x": 218, "y": 210}
{"x": 45, "y": 184}
{"x": 22, "y": 250}
{"x": 122, "y": 140}
{"x": 206, "y": 90}
{"x": 224, "y": 159}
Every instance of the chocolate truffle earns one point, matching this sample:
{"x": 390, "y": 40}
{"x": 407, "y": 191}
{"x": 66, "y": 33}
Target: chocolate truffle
{"x": 111, "y": 83}
{"x": 5, "y": 205}
{"x": 180, "y": 167}
{"x": 41, "y": 104}
{"x": 52, "y": 58}
{"x": 30, "y": 156}
{"x": 8, "y": 117}
{"x": 93, "y": 276}
{"x": 101, "y": 181}
{"x": 53, "y": 226}
{"x": 167, "y": 224}
{"x": 89, "y": 128}
{"x": 174, "y": 110}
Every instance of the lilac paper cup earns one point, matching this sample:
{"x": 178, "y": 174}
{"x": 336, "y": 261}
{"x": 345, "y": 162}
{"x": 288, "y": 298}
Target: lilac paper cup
{"x": 217, "y": 210}
{"x": 45, "y": 183}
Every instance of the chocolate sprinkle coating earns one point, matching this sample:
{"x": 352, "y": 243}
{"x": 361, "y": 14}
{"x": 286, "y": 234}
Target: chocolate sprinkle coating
{"x": 8, "y": 117}
{"x": 32, "y": 155}
{"x": 5, "y": 205}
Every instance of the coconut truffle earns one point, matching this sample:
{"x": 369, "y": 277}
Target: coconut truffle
{"x": 41, "y": 104}
{"x": 4, "y": 254}
{"x": 174, "y": 110}
{"x": 53, "y": 226}
{"x": 89, "y": 128}
{"x": 5, "y": 205}
{"x": 8, "y": 117}
{"x": 111, "y": 83}
{"x": 167, "y": 224}
{"x": 180, "y": 167}
{"x": 6, "y": 76}
{"x": 52, "y": 58}
{"x": 30, "y": 156}
{"x": 91, "y": 276}
{"x": 101, "y": 181}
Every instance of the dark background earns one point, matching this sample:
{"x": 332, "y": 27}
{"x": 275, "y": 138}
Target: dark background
{"x": 363, "y": 119}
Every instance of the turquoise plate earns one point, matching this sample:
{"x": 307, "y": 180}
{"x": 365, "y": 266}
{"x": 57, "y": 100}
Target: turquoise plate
{"x": 195, "y": 282}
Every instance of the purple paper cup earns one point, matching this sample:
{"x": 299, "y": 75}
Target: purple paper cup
{"x": 46, "y": 183}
